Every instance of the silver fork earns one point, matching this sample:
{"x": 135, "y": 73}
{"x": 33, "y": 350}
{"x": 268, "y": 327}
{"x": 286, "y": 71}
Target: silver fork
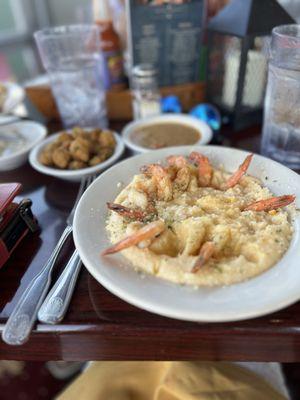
{"x": 20, "y": 323}
{"x": 58, "y": 299}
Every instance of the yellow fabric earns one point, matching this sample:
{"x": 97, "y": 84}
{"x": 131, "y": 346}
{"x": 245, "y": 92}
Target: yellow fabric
{"x": 128, "y": 380}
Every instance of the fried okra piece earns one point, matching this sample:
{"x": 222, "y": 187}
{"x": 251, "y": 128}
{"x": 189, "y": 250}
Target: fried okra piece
{"x": 79, "y": 149}
{"x": 95, "y": 134}
{"x": 105, "y": 153}
{"x": 61, "y": 158}
{"x": 94, "y": 147}
{"x": 46, "y": 155}
{"x": 77, "y": 132}
{"x": 95, "y": 161}
{"x": 77, "y": 164}
{"x": 106, "y": 139}
{"x": 51, "y": 146}
{"x": 102, "y": 155}
{"x": 64, "y": 137}
{"x": 45, "y": 158}
{"x": 66, "y": 145}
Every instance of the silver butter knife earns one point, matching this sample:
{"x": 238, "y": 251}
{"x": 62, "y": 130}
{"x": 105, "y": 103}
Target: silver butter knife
{"x": 20, "y": 323}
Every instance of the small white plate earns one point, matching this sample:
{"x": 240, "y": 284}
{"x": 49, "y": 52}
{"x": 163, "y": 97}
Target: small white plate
{"x": 32, "y": 132}
{"x": 276, "y": 288}
{"x": 73, "y": 175}
{"x": 181, "y": 119}
{"x": 15, "y": 96}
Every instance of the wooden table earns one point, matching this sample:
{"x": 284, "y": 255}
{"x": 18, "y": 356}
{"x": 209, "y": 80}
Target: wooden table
{"x": 99, "y": 326}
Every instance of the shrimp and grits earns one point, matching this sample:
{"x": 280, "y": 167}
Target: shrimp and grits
{"x": 191, "y": 223}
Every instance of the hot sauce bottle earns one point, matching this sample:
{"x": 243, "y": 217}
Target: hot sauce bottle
{"x": 110, "y": 45}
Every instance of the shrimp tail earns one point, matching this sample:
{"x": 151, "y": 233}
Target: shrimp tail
{"x": 126, "y": 211}
{"x": 206, "y": 251}
{"x": 270, "y": 204}
{"x": 236, "y": 177}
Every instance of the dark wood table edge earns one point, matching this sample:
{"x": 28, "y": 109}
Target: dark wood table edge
{"x": 112, "y": 341}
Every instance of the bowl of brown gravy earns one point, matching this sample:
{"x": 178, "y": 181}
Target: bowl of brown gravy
{"x": 166, "y": 130}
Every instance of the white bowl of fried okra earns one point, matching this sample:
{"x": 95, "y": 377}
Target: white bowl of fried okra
{"x": 78, "y": 152}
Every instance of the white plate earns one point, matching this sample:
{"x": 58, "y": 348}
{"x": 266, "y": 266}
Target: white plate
{"x": 270, "y": 291}
{"x": 73, "y": 175}
{"x": 15, "y": 95}
{"x": 181, "y": 119}
{"x": 33, "y": 132}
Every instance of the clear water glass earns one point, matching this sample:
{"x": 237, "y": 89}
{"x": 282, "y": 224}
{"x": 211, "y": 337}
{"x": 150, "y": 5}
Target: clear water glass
{"x": 72, "y": 58}
{"x": 281, "y": 128}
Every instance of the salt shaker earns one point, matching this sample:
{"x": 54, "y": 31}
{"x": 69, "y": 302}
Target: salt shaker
{"x": 145, "y": 93}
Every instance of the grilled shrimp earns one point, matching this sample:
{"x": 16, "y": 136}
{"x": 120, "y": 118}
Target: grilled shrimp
{"x": 162, "y": 180}
{"x": 178, "y": 161}
{"x": 148, "y": 231}
{"x": 205, "y": 169}
{"x": 183, "y": 175}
